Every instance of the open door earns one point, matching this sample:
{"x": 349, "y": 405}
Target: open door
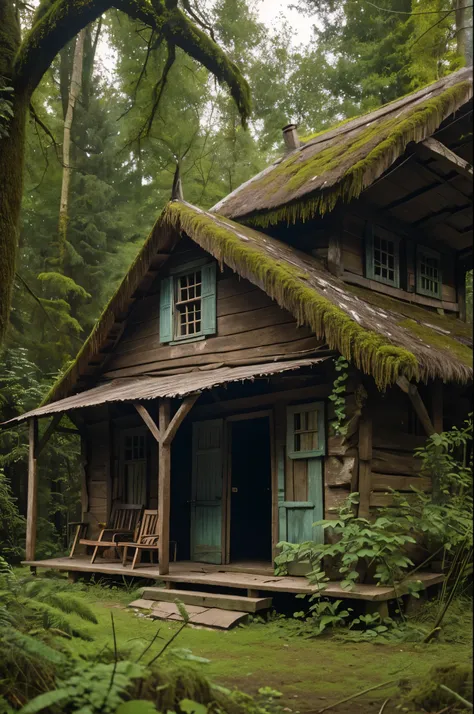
{"x": 302, "y": 505}
{"x": 207, "y": 486}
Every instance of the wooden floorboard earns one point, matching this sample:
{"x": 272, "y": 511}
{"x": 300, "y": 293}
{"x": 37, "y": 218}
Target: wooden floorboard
{"x": 219, "y": 576}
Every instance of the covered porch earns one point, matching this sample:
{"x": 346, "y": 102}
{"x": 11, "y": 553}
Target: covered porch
{"x": 149, "y": 416}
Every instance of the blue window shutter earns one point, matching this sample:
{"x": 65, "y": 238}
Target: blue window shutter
{"x": 166, "y": 310}
{"x": 208, "y": 297}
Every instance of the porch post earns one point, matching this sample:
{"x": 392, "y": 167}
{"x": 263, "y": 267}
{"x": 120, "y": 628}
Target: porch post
{"x": 164, "y": 487}
{"x": 32, "y": 505}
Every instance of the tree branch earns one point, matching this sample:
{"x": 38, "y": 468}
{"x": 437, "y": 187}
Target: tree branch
{"x": 59, "y": 21}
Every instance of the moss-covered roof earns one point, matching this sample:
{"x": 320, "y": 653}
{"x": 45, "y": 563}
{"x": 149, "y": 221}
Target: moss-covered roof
{"x": 382, "y": 336}
{"x": 343, "y": 161}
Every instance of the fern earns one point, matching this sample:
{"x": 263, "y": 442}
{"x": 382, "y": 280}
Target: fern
{"x": 44, "y": 701}
{"x": 52, "y": 618}
{"x": 71, "y": 606}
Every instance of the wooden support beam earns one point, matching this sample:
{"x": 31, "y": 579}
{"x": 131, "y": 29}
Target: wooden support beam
{"x": 184, "y": 409}
{"x": 147, "y": 418}
{"x": 437, "y": 406}
{"x": 164, "y": 489}
{"x": 67, "y": 430}
{"x": 417, "y": 403}
{"x": 48, "y": 433}
{"x": 440, "y": 151}
{"x": 365, "y": 469}
{"x": 32, "y": 503}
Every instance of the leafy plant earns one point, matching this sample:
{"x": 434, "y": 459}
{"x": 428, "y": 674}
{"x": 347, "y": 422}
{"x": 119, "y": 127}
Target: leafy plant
{"x": 324, "y": 614}
{"x": 33, "y": 613}
{"x": 12, "y": 525}
{"x": 337, "y": 396}
{"x": 359, "y": 544}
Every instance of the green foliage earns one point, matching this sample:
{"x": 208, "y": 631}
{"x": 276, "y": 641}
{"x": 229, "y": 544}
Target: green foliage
{"x": 337, "y": 396}
{"x": 358, "y": 544}
{"x": 12, "y": 525}
{"x": 434, "y": 692}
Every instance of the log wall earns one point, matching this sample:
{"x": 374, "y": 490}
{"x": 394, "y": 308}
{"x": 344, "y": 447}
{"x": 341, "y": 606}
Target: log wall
{"x": 250, "y": 325}
{"x": 353, "y": 256}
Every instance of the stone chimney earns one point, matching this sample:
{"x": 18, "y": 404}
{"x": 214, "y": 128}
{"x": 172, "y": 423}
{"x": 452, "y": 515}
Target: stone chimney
{"x": 291, "y": 138}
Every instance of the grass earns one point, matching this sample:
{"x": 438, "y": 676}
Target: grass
{"x": 309, "y": 672}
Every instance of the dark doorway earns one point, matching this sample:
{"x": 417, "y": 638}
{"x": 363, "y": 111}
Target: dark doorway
{"x": 251, "y": 491}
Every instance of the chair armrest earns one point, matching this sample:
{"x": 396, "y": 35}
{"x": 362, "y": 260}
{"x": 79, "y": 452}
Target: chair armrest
{"x": 122, "y": 534}
{"x": 78, "y": 523}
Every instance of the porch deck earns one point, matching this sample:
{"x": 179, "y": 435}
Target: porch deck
{"x": 253, "y": 577}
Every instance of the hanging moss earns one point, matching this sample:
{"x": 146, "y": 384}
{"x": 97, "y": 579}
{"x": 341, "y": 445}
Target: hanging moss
{"x": 436, "y": 339}
{"x": 348, "y": 164}
{"x": 285, "y": 283}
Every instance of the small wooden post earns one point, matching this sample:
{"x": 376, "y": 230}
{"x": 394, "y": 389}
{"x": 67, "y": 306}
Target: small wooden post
{"x": 437, "y": 406}
{"x": 164, "y": 488}
{"x": 365, "y": 467}
{"x": 32, "y": 505}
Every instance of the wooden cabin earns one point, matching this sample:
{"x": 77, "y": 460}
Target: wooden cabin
{"x": 203, "y": 390}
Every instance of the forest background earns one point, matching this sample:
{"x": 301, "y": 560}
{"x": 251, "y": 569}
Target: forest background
{"x": 77, "y": 244}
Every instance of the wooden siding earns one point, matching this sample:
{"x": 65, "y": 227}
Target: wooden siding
{"x": 353, "y": 257}
{"x": 249, "y": 326}
{"x": 98, "y": 475}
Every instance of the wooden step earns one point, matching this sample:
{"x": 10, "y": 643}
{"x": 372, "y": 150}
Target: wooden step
{"x": 203, "y": 616}
{"x": 202, "y": 599}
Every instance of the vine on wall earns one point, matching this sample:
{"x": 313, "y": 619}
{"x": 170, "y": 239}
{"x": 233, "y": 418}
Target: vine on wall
{"x": 338, "y": 396}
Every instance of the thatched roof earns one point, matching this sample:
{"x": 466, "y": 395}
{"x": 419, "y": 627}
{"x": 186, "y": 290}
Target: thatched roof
{"x": 341, "y": 162}
{"x": 382, "y": 336}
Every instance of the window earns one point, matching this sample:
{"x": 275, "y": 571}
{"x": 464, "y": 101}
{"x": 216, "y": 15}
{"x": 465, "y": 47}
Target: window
{"x": 133, "y": 443}
{"x": 428, "y": 272}
{"x": 188, "y": 303}
{"x": 305, "y": 430}
{"x": 382, "y": 256}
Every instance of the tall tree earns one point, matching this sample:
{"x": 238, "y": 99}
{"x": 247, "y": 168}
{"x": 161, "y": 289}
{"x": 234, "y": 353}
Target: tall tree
{"x": 24, "y": 60}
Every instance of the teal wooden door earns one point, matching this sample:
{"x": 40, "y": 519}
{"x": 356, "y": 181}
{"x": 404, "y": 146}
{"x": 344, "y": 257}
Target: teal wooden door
{"x": 306, "y": 443}
{"x": 296, "y": 518}
{"x": 207, "y": 484}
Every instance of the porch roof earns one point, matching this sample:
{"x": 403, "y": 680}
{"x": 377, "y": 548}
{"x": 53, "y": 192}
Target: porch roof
{"x": 177, "y": 385}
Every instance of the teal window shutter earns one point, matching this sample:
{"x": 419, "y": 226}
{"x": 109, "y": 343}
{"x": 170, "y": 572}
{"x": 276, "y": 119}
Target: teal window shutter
{"x": 208, "y": 297}
{"x": 166, "y": 310}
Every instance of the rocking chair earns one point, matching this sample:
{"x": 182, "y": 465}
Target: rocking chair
{"x": 123, "y": 523}
{"x": 147, "y": 539}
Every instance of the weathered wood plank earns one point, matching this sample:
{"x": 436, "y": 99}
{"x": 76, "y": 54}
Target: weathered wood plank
{"x": 386, "y": 500}
{"x": 271, "y": 335}
{"x": 440, "y": 151}
{"x": 164, "y": 488}
{"x": 365, "y": 456}
{"x": 301, "y": 347}
{"x": 384, "y": 482}
{"x": 391, "y": 462}
{"x": 417, "y": 403}
{"x": 389, "y": 440}
{"x": 338, "y": 471}
{"x": 226, "y": 602}
{"x": 32, "y": 502}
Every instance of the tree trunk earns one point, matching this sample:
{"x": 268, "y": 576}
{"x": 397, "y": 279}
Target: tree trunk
{"x": 12, "y": 149}
{"x": 463, "y": 44}
{"x": 74, "y": 91}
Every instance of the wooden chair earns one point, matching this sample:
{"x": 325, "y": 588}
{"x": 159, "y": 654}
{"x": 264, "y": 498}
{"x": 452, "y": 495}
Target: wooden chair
{"x": 147, "y": 539}
{"x": 124, "y": 521}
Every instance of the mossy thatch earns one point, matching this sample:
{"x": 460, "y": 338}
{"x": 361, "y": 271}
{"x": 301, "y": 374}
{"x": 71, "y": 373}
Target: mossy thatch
{"x": 340, "y": 163}
{"x": 374, "y": 340}
{"x": 349, "y": 319}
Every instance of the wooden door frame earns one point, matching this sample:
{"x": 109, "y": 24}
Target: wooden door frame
{"x": 226, "y": 496}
